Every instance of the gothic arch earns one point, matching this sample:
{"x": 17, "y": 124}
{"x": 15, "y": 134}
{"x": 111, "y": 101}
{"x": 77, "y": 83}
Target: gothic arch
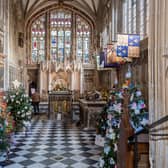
{"x": 47, "y": 10}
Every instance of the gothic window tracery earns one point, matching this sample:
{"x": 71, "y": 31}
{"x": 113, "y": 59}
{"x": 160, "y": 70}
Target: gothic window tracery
{"x": 64, "y": 26}
{"x": 38, "y": 39}
{"x": 61, "y": 27}
{"x": 83, "y": 36}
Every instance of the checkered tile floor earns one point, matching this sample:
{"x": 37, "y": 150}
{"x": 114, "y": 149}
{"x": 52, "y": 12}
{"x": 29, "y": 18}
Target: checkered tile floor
{"x": 53, "y": 144}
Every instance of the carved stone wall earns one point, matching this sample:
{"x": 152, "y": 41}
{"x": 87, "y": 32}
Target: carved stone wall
{"x": 3, "y": 40}
{"x": 11, "y": 38}
{"x": 16, "y": 50}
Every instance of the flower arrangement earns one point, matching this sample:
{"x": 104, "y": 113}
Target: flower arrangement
{"x": 102, "y": 122}
{"x": 6, "y": 128}
{"x": 114, "y": 111}
{"x": 138, "y": 110}
{"x": 19, "y": 104}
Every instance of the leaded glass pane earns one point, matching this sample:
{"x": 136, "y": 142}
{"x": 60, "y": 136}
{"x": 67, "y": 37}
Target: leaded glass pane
{"x": 60, "y": 22}
{"x": 67, "y": 43}
{"x": 83, "y": 39}
{"x": 38, "y": 39}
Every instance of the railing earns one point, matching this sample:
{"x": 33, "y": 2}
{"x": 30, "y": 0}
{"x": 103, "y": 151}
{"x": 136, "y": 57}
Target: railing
{"x": 154, "y": 132}
{"x": 159, "y": 122}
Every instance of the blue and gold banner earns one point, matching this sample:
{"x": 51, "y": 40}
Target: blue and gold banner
{"x": 111, "y": 58}
{"x": 128, "y": 45}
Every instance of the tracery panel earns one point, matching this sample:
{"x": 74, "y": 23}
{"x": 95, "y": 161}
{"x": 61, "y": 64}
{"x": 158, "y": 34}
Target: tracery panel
{"x": 61, "y": 27}
{"x": 38, "y": 39}
{"x": 83, "y": 39}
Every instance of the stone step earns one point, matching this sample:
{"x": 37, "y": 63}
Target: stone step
{"x": 43, "y": 106}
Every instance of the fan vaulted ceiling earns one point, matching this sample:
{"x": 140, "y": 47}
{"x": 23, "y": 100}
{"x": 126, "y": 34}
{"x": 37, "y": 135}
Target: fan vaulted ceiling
{"x": 90, "y": 7}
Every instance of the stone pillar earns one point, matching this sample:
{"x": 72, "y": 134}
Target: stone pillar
{"x": 81, "y": 80}
{"x": 158, "y": 83}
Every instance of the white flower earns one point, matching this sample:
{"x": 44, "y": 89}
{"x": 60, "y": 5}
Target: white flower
{"x": 4, "y": 97}
{"x": 144, "y": 122}
{"x": 132, "y": 97}
{"x": 120, "y": 95}
{"x": 111, "y": 136}
{"x": 101, "y": 162}
{"x": 111, "y": 108}
{"x": 112, "y": 162}
{"x": 6, "y": 122}
{"x": 108, "y": 122}
{"x": 29, "y": 113}
{"x": 26, "y": 123}
{"x": 23, "y": 115}
{"x": 137, "y": 111}
{"x": 26, "y": 107}
{"x": 18, "y": 102}
{"x": 110, "y": 130}
{"x": 115, "y": 147}
{"x": 12, "y": 100}
{"x": 107, "y": 150}
{"x": 138, "y": 93}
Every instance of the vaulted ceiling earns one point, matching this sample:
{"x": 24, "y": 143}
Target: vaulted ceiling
{"x": 90, "y": 7}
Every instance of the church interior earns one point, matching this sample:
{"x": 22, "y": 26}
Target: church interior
{"x": 83, "y": 83}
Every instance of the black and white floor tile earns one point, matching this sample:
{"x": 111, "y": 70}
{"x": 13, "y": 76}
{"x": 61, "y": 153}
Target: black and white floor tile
{"x": 53, "y": 144}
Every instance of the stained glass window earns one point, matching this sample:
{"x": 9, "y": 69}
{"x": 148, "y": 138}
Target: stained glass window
{"x": 64, "y": 27}
{"x": 83, "y": 39}
{"x": 38, "y": 39}
{"x": 60, "y": 22}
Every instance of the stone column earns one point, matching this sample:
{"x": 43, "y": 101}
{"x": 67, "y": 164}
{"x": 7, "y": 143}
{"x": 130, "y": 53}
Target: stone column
{"x": 158, "y": 83}
{"x": 81, "y": 80}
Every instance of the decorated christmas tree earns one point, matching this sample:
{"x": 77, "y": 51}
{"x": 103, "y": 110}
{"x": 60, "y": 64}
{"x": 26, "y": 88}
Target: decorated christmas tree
{"x": 19, "y": 104}
{"x": 114, "y": 111}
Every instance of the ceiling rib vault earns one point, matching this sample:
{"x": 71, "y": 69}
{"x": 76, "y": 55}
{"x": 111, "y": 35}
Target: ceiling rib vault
{"x": 88, "y": 6}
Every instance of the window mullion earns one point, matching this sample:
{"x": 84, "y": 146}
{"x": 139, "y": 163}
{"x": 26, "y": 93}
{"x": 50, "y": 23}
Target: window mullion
{"x": 47, "y": 37}
{"x": 74, "y": 37}
{"x": 64, "y": 43}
